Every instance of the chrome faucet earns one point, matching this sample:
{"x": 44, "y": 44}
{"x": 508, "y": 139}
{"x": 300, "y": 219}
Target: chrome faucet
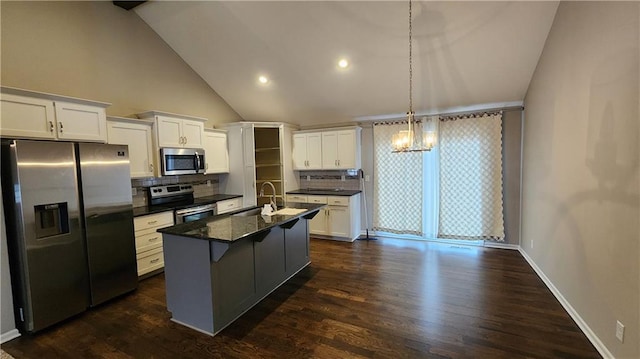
{"x": 273, "y": 196}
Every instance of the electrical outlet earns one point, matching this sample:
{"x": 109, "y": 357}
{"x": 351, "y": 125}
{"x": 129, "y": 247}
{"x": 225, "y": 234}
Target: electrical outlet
{"x": 532, "y": 243}
{"x": 367, "y": 178}
{"x": 134, "y": 191}
{"x": 308, "y": 178}
{"x": 342, "y": 178}
{"x": 208, "y": 183}
{"x": 619, "y": 331}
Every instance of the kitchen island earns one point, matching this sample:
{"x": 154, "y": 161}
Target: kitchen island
{"x": 219, "y": 267}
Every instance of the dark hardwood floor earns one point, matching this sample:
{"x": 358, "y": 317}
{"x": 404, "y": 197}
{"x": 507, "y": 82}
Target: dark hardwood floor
{"x": 385, "y": 298}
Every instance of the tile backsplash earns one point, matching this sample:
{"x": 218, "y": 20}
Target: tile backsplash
{"x": 330, "y": 179}
{"x": 203, "y": 185}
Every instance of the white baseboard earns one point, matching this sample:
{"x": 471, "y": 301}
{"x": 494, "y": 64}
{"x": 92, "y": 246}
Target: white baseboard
{"x": 500, "y": 245}
{"x": 593, "y": 338}
{"x": 10, "y": 335}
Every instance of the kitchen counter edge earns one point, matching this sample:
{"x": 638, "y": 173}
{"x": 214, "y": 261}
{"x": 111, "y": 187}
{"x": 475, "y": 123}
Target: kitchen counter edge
{"x": 328, "y": 192}
{"x": 200, "y": 201}
{"x": 205, "y": 228}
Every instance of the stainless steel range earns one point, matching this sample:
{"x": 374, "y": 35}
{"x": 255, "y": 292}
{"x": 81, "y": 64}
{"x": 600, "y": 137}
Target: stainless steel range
{"x": 180, "y": 196}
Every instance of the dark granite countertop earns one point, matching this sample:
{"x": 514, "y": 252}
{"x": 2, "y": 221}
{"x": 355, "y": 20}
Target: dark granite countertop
{"x": 230, "y": 227}
{"x": 325, "y": 192}
{"x": 200, "y": 201}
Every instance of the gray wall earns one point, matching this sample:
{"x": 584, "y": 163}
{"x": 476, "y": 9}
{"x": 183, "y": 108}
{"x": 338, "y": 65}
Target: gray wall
{"x": 511, "y": 160}
{"x": 581, "y": 188}
{"x": 97, "y": 51}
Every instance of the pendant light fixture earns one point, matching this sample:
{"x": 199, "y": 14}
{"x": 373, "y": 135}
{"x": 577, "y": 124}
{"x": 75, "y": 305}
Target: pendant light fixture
{"x": 406, "y": 140}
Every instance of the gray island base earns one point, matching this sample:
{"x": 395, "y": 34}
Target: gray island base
{"x": 217, "y": 269}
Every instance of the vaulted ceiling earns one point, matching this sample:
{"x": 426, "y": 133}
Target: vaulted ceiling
{"x": 464, "y": 54}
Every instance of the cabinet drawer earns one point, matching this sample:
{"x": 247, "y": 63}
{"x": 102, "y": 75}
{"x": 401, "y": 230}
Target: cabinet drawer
{"x": 152, "y": 221}
{"x": 229, "y": 205}
{"x": 317, "y": 199}
{"x": 338, "y": 201}
{"x": 296, "y": 198}
{"x": 150, "y": 261}
{"x": 148, "y": 241}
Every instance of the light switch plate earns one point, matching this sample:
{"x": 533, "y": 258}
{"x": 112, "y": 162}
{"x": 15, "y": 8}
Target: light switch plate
{"x": 134, "y": 191}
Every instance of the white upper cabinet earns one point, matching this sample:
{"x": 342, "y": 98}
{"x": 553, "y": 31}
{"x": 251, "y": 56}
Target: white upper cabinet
{"x": 176, "y": 130}
{"x": 341, "y": 149}
{"x": 137, "y": 134}
{"x": 307, "y": 151}
{"x": 27, "y": 114}
{"x": 328, "y": 150}
{"x": 216, "y": 153}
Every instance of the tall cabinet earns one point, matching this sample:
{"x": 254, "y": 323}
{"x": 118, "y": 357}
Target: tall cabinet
{"x": 259, "y": 152}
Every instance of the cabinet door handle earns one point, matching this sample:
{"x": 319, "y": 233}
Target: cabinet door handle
{"x": 338, "y": 162}
{"x": 151, "y": 167}
{"x": 154, "y": 260}
{"x": 185, "y": 140}
{"x": 60, "y": 127}
{"x": 153, "y": 239}
{"x": 51, "y": 126}
{"x": 152, "y": 222}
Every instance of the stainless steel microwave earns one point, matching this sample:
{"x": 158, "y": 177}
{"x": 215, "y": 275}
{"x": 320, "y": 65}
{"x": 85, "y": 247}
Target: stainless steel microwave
{"x": 182, "y": 161}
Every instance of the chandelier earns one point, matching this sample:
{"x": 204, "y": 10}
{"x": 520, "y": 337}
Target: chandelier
{"x": 407, "y": 140}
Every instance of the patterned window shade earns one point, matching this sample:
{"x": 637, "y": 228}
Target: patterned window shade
{"x": 397, "y": 200}
{"x": 471, "y": 178}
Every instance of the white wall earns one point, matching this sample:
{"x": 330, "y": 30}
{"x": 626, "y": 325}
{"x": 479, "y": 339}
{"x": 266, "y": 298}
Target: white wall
{"x": 581, "y": 185}
{"x": 97, "y": 51}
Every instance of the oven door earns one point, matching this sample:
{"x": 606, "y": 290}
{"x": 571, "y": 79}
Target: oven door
{"x": 195, "y": 213}
{"x": 182, "y": 161}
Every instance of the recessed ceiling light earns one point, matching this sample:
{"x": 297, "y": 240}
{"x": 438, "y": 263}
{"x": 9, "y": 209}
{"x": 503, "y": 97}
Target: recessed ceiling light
{"x": 343, "y": 63}
{"x": 263, "y": 79}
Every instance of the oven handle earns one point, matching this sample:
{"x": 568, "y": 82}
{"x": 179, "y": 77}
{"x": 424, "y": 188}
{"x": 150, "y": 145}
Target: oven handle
{"x": 191, "y": 210}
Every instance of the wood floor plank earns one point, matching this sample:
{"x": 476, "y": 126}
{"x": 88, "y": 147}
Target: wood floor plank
{"x": 367, "y": 299}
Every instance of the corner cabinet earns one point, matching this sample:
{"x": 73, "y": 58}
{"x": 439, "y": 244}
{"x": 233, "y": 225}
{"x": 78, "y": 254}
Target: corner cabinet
{"x": 336, "y": 149}
{"x": 27, "y": 114}
{"x": 174, "y": 130}
{"x": 137, "y": 134}
{"x": 216, "y": 151}
{"x": 259, "y": 152}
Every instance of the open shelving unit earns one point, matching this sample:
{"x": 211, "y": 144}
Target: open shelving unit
{"x": 268, "y": 163}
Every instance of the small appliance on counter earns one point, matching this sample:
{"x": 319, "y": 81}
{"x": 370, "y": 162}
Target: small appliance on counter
{"x": 69, "y": 220}
{"x": 177, "y": 196}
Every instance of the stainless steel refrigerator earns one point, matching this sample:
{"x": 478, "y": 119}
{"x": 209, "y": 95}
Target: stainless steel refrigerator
{"x": 69, "y": 222}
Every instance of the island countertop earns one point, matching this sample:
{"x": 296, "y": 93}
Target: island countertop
{"x": 231, "y": 227}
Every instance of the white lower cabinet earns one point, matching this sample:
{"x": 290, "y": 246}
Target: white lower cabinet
{"x": 340, "y": 219}
{"x": 149, "y": 242}
{"x": 228, "y": 205}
